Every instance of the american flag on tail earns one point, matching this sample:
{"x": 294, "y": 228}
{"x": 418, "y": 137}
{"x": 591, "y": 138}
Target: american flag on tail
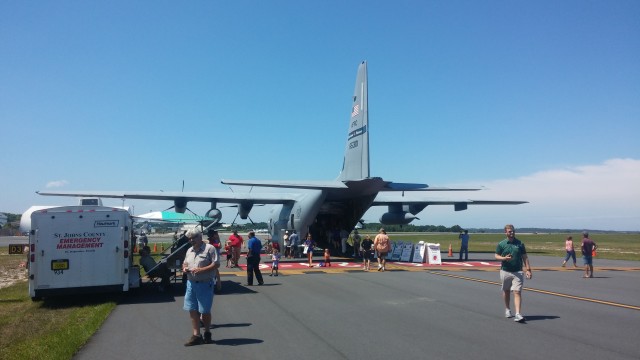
{"x": 356, "y": 110}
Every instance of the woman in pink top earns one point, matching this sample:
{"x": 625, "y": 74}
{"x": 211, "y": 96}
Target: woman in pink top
{"x": 571, "y": 253}
{"x": 382, "y": 247}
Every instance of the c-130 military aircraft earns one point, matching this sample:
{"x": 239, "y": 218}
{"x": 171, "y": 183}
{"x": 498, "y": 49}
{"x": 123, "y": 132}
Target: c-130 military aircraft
{"x": 317, "y": 206}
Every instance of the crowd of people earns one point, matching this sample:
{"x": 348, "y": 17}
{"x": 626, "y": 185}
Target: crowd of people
{"x": 202, "y": 260}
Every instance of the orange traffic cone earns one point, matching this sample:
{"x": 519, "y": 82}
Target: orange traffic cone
{"x": 155, "y": 248}
{"x": 135, "y": 249}
{"x": 450, "y": 251}
{"x": 594, "y": 253}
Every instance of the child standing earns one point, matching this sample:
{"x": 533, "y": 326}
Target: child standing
{"x": 327, "y": 257}
{"x": 367, "y": 244}
{"x": 227, "y": 249}
{"x": 275, "y": 261}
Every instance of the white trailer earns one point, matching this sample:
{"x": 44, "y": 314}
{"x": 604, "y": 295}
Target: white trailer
{"x": 80, "y": 249}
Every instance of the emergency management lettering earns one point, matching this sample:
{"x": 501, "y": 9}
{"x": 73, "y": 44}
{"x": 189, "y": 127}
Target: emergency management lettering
{"x": 86, "y": 240}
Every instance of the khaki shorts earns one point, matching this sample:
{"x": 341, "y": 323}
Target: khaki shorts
{"x": 511, "y": 280}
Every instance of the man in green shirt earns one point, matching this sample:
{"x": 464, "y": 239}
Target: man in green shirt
{"x": 513, "y": 255}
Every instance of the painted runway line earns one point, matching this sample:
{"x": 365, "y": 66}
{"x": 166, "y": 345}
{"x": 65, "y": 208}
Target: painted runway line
{"x": 540, "y": 291}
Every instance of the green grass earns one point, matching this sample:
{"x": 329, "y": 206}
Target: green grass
{"x": 615, "y": 246}
{"x": 50, "y": 329}
{"x": 55, "y": 328}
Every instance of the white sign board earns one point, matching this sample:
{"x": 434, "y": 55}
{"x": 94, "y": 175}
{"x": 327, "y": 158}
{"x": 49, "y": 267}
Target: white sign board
{"x": 418, "y": 253}
{"x": 433, "y": 254}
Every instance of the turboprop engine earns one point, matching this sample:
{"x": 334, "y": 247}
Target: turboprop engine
{"x": 244, "y": 208}
{"x": 397, "y": 218}
{"x": 180, "y": 205}
{"x": 401, "y": 214}
{"x": 215, "y": 214}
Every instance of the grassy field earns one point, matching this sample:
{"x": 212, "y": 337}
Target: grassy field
{"x": 610, "y": 246}
{"x": 56, "y": 328}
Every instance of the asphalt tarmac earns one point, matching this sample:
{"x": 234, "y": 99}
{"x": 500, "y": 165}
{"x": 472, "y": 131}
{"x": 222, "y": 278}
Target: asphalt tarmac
{"x": 403, "y": 313}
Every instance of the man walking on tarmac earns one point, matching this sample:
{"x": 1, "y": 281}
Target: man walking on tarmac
{"x": 253, "y": 259}
{"x": 588, "y": 247}
{"x": 513, "y": 255}
{"x": 199, "y": 264}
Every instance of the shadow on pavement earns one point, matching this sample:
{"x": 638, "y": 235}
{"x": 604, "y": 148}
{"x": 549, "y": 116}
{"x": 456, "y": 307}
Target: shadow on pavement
{"x": 540, "y": 317}
{"x": 217, "y": 326}
{"x": 237, "y": 342}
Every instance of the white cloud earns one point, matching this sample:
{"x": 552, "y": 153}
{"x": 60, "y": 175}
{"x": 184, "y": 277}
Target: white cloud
{"x": 603, "y": 196}
{"x": 57, "y": 183}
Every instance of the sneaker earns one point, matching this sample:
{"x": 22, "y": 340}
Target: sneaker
{"x": 194, "y": 340}
{"x": 507, "y": 313}
{"x": 207, "y": 337}
{"x": 518, "y": 318}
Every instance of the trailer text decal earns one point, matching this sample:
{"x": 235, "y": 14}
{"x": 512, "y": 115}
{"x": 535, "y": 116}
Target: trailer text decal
{"x": 86, "y": 240}
{"x": 105, "y": 223}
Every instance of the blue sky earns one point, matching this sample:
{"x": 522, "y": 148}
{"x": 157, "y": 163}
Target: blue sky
{"x": 536, "y": 101}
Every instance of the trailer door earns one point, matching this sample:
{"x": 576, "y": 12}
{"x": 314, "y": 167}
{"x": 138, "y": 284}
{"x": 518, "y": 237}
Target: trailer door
{"x": 76, "y": 248}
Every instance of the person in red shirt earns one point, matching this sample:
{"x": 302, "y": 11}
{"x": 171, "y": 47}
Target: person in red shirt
{"x": 236, "y": 246}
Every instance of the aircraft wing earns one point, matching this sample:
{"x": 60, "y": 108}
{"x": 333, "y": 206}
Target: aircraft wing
{"x": 396, "y": 199}
{"x": 316, "y": 185}
{"x": 223, "y": 197}
{"x": 393, "y": 186}
{"x": 337, "y": 184}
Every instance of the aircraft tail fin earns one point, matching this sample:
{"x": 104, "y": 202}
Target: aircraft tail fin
{"x": 356, "y": 154}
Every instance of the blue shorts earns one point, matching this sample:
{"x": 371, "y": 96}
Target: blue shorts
{"x": 588, "y": 260}
{"x": 199, "y": 296}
